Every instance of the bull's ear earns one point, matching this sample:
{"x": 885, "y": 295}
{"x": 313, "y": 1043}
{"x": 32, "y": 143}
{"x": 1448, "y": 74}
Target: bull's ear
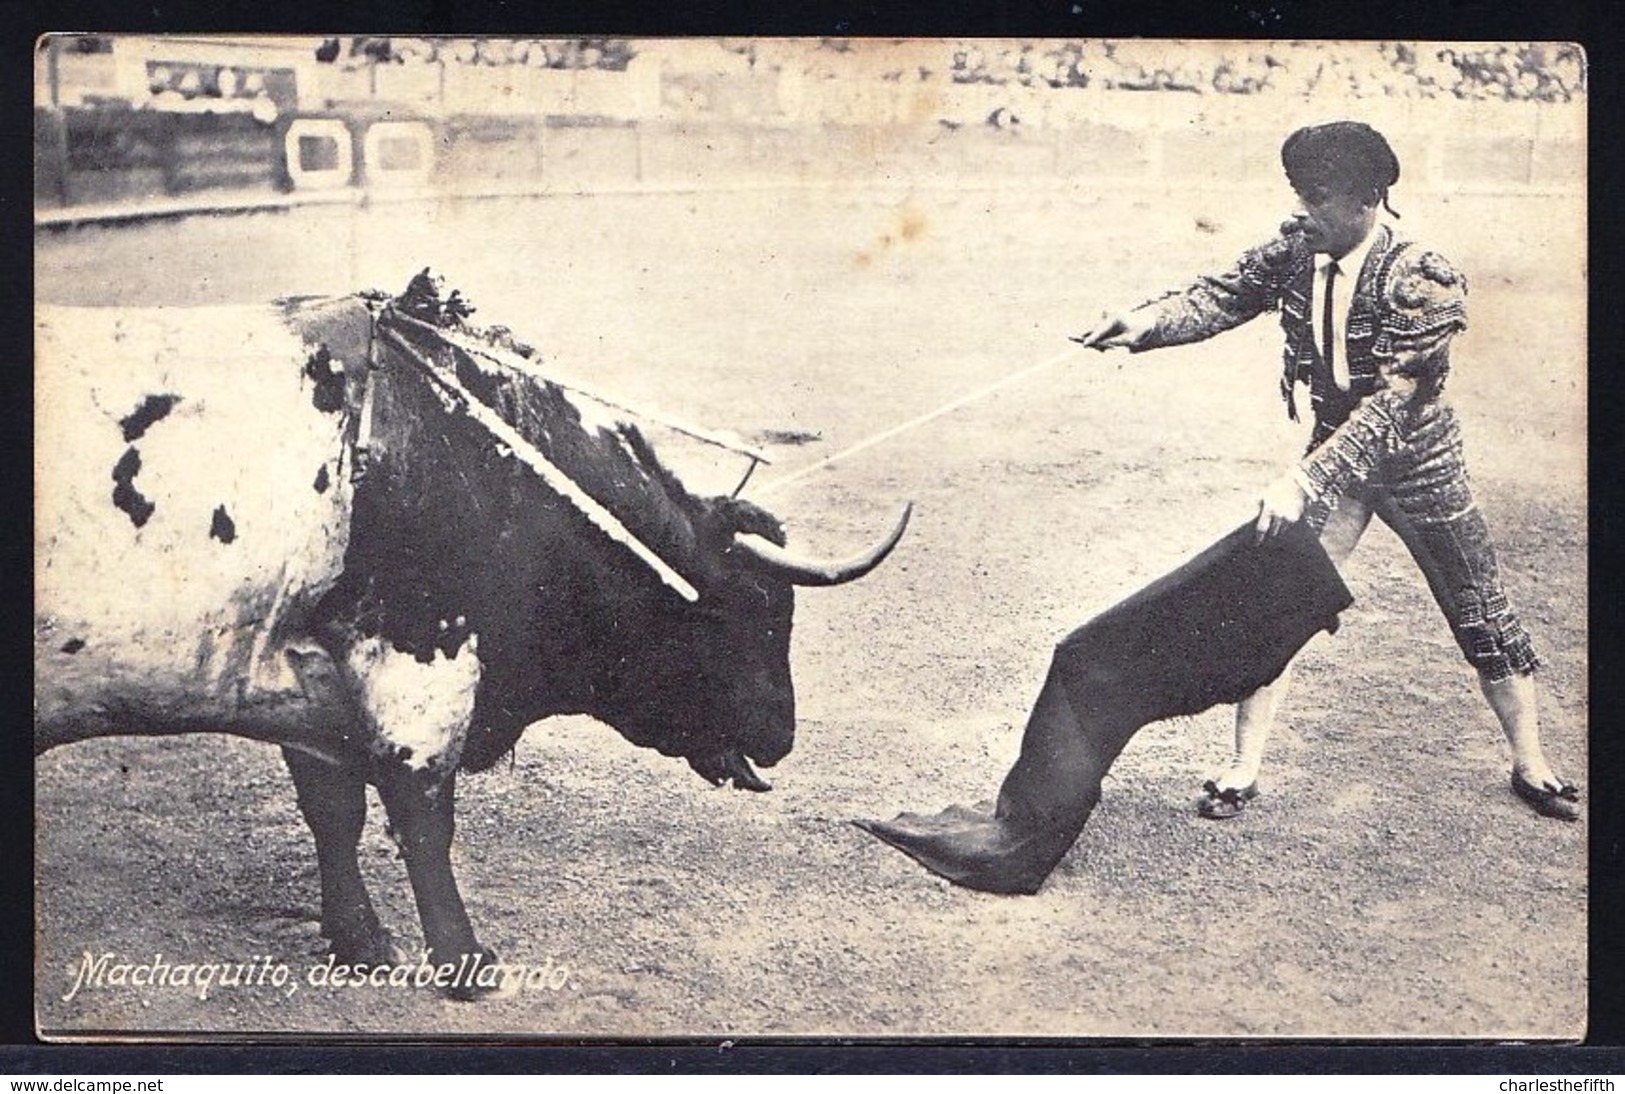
{"x": 739, "y": 515}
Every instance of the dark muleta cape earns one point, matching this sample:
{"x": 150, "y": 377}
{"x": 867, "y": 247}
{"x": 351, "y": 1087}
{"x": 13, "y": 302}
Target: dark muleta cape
{"x": 1213, "y": 631}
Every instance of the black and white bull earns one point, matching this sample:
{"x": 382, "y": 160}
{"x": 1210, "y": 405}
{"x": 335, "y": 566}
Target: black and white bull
{"x": 275, "y": 522}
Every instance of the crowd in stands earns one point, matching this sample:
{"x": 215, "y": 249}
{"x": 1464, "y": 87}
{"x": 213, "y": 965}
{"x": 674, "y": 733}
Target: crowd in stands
{"x": 1536, "y": 72}
{"x": 606, "y": 53}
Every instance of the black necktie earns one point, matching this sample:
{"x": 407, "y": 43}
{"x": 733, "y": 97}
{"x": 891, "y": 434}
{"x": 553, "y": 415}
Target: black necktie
{"x": 1326, "y": 321}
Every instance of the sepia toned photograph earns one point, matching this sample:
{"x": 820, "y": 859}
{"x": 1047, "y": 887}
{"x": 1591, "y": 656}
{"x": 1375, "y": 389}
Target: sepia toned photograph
{"x": 615, "y": 538}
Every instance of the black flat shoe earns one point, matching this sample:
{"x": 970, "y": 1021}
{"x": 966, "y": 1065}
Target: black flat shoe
{"x": 1216, "y": 804}
{"x": 1560, "y": 803}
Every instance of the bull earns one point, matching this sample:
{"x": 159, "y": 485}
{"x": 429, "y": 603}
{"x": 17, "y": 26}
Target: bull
{"x": 315, "y": 540}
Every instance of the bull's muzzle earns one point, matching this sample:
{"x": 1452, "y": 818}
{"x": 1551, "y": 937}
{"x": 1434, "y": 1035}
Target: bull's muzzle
{"x": 729, "y": 764}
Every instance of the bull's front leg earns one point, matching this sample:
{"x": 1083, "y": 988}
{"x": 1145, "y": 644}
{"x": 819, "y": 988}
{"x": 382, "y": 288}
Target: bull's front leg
{"x": 333, "y": 801}
{"x": 418, "y": 715}
{"x": 422, "y": 817}
{"x": 332, "y": 796}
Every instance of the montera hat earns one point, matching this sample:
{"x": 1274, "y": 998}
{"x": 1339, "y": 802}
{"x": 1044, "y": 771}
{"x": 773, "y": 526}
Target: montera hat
{"x": 1345, "y": 155}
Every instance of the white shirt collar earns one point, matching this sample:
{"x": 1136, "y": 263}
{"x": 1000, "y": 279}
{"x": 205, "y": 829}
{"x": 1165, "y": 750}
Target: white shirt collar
{"x": 1354, "y": 261}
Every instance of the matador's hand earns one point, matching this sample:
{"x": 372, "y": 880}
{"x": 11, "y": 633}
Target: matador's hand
{"x": 1281, "y": 504}
{"x": 1113, "y": 331}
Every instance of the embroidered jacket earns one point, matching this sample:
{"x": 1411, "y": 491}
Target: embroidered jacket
{"x": 1407, "y": 305}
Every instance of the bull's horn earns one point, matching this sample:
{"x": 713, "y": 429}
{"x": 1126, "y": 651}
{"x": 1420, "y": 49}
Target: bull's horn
{"x": 813, "y": 571}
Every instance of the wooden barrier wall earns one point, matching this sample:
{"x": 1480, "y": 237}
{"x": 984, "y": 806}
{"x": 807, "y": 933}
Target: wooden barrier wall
{"x": 569, "y": 131}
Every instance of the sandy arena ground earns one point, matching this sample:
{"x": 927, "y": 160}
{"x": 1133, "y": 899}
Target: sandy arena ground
{"x": 1386, "y": 884}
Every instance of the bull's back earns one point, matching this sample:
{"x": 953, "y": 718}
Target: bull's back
{"x": 192, "y": 497}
